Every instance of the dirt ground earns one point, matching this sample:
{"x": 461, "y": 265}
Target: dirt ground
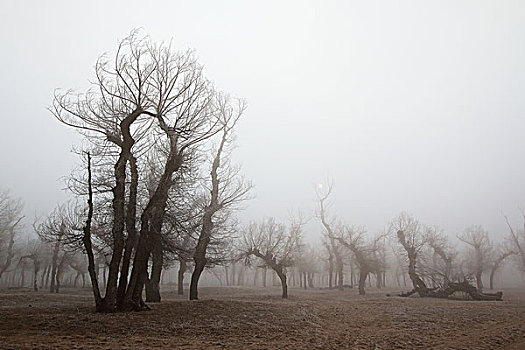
{"x": 256, "y": 318}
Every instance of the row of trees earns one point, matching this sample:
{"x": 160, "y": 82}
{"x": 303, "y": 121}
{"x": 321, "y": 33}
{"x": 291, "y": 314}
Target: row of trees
{"x": 422, "y": 253}
{"x": 432, "y": 259}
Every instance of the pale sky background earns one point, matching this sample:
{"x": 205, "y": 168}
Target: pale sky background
{"x": 406, "y": 105}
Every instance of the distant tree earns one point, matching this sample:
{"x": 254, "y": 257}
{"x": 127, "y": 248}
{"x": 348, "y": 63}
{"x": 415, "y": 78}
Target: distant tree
{"x": 516, "y": 241}
{"x": 275, "y": 244}
{"x": 480, "y": 251}
{"x": 62, "y": 228}
{"x": 440, "y": 247}
{"x": 501, "y": 253}
{"x": 364, "y": 253}
{"x": 410, "y": 236}
{"x": 329, "y": 225}
{"x": 10, "y": 218}
{"x": 34, "y": 251}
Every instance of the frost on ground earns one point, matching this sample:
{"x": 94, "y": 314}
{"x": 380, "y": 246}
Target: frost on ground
{"x": 256, "y": 318}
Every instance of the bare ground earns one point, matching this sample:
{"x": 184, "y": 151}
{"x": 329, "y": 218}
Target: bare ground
{"x": 256, "y": 318}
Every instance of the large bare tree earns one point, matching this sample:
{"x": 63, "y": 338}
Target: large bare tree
{"x": 146, "y": 98}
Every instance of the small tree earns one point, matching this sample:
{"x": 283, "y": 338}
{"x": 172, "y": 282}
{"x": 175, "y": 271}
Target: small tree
{"x": 10, "y": 218}
{"x": 275, "y": 244}
{"x": 516, "y": 241}
{"x": 364, "y": 253}
{"x": 328, "y": 224}
{"x": 480, "y": 251}
{"x": 227, "y": 187}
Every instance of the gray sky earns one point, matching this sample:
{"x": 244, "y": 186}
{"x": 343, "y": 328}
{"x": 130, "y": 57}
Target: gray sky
{"x": 406, "y": 105}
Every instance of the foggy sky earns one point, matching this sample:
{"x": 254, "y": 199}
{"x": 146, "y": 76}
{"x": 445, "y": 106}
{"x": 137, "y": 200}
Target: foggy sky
{"x": 406, "y": 105}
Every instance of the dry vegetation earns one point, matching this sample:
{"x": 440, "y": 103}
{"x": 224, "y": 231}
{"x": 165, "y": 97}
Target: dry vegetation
{"x": 257, "y": 318}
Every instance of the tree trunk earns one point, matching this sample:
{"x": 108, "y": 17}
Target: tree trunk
{"x": 54, "y": 263}
{"x": 153, "y": 283}
{"x": 340, "y": 282}
{"x": 362, "y": 280}
{"x": 479, "y": 282}
{"x": 130, "y": 222}
{"x": 180, "y": 276}
{"x": 199, "y": 256}
{"x": 284, "y": 286}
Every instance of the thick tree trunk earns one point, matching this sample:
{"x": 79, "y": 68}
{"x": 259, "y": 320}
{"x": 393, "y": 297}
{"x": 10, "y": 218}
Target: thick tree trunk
{"x": 153, "y": 283}
{"x": 119, "y": 194}
{"x": 194, "y": 284}
{"x": 130, "y": 222}
{"x": 284, "y": 286}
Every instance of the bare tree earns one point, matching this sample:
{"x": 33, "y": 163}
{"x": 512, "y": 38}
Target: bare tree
{"x": 364, "y": 253}
{"x": 410, "y": 235}
{"x": 335, "y": 249}
{"x": 62, "y": 229}
{"x": 516, "y": 240}
{"x": 501, "y": 253}
{"x": 34, "y": 251}
{"x": 10, "y": 218}
{"x": 480, "y": 251}
{"x": 227, "y": 188}
{"x": 275, "y": 244}
{"x": 438, "y": 242}
{"x": 147, "y": 98}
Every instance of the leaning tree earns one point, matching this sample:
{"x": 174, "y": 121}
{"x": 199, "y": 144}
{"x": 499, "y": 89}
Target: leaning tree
{"x": 363, "y": 251}
{"x": 411, "y": 237}
{"x": 277, "y": 245}
{"x": 225, "y": 189}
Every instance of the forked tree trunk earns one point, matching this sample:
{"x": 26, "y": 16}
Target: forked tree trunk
{"x": 130, "y": 222}
{"x": 150, "y": 231}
